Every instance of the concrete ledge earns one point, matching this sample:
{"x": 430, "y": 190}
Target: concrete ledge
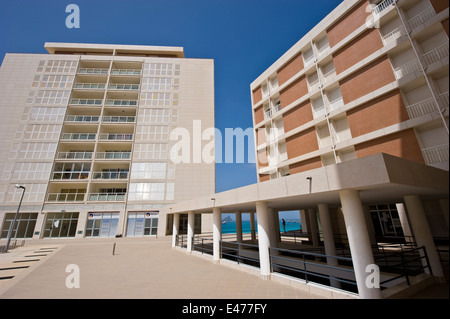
{"x": 403, "y": 290}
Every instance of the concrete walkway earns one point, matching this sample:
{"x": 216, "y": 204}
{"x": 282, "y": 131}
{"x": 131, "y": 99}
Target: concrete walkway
{"x": 140, "y": 269}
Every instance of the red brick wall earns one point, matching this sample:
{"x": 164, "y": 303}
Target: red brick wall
{"x": 384, "y": 111}
{"x": 305, "y": 165}
{"x": 291, "y": 68}
{"x": 402, "y": 144}
{"x": 373, "y": 76}
{"x": 439, "y": 5}
{"x": 297, "y": 116}
{"x": 257, "y": 95}
{"x": 358, "y": 49}
{"x": 348, "y": 23}
{"x": 259, "y": 114}
{"x": 293, "y": 92}
{"x": 302, "y": 143}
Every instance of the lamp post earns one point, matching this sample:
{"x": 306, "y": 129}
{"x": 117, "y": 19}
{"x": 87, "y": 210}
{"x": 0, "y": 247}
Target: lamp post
{"x": 15, "y": 217}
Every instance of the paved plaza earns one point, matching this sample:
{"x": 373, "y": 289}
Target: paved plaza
{"x": 140, "y": 268}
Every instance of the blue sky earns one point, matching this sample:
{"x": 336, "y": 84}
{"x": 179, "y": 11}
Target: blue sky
{"x": 244, "y": 37}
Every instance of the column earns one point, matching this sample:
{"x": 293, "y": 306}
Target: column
{"x": 175, "y": 229}
{"x": 252, "y": 226}
{"x": 190, "y": 233}
{"x": 328, "y": 238}
{"x": 239, "y": 227}
{"x": 217, "y": 232}
{"x": 314, "y": 226}
{"x": 303, "y": 221}
{"x": 444, "y": 206}
{"x": 422, "y": 233}
{"x": 404, "y": 222}
{"x": 263, "y": 238}
{"x": 359, "y": 242}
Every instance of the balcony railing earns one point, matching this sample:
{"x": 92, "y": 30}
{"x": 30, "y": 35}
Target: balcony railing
{"x": 422, "y": 17}
{"x": 436, "y": 154}
{"x": 381, "y": 6}
{"x": 436, "y": 54}
{"x": 90, "y": 86}
{"x": 336, "y": 103}
{"x": 74, "y": 155}
{"x": 65, "y": 197}
{"x": 421, "y": 108}
{"x": 113, "y": 155}
{"x": 119, "y": 119}
{"x": 110, "y": 175}
{"x": 125, "y": 87}
{"x": 125, "y": 72}
{"x": 444, "y": 98}
{"x": 106, "y": 197}
{"x": 78, "y": 136}
{"x": 394, "y": 34}
{"x": 267, "y": 114}
{"x": 329, "y": 74}
{"x": 121, "y": 102}
{"x": 407, "y": 68}
{"x": 82, "y": 118}
{"x": 90, "y": 102}
{"x": 115, "y": 137}
{"x": 313, "y": 85}
{"x": 70, "y": 175}
{"x": 92, "y": 71}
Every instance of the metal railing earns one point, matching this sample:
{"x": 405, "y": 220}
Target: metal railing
{"x": 119, "y": 119}
{"x": 421, "y": 108}
{"x": 394, "y": 34}
{"x": 422, "y": 17}
{"x": 436, "y": 154}
{"x": 125, "y": 72}
{"x": 116, "y": 137}
{"x": 90, "y": 102}
{"x": 74, "y": 155}
{"x": 92, "y": 71}
{"x": 242, "y": 253}
{"x": 116, "y": 102}
{"x": 126, "y": 87}
{"x": 113, "y": 155}
{"x": 407, "y": 68}
{"x": 82, "y": 118}
{"x": 78, "y": 136}
{"x": 70, "y": 175}
{"x": 110, "y": 175}
{"x": 436, "y": 54}
{"x": 65, "y": 197}
{"x": 90, "y": 86}
{"x": 106, "y": 197}
{"x": 381, "y": 6}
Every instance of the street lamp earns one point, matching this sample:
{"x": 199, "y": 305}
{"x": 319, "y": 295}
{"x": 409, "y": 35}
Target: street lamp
{"x": 15, "y": 217}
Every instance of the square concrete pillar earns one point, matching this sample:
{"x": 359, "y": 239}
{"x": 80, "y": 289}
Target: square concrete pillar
{"x": 217, "y": 232}
{"x": 175, "y": 229}
{"x": 263, "y": 238}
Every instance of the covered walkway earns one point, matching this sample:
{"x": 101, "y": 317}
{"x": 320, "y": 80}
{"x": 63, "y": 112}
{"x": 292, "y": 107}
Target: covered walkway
{"x": 335, "y": 200}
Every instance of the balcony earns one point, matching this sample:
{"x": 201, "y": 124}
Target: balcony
{"x": 116, "y": 137}
{"x": 110, "y": 175}
{"x": 90, "y": 86}
{"x": 115, "y": 102}
{"x": 106, "y": 197}
{"x": 92, "y": 71}
{"x": 113, "y": 155}
{"x": 436, "y": 154}
{"x": 421, "y": 108}
{"x": 381, "y": 6}
{"x": 394, "y": 35}
{"x": 125, "y": 72}
{"x": 85, "y": 119}
{"x": 78, "y": 137}
{"x": 124, "y": 87}
{"x": 119, "y": 119}
{"x": 65, "y": 197}
{"x": 436, "y": 54}
{"x": 422, "y": 17}
{"x": 86, "y": 102}
{"x": 74, "y": 155}
{"x": 70, "y": 175}
{"x": 313, "y": 85}
{"x": 444, "y": 98}
{"x": 407, "y": 68}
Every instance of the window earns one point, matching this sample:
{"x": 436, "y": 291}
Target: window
{"x": 151, "y": 151}
{"x": 47, "y": 114}
{"x": 155, "y": 99}
{"x": 23, "y": 228}
{"x": 33, "y": 193}
{"x": 152, "y": 132}
{"x": 32, "y": 171}
{"x": 102, "y": 224}
{"x": 53, "y": 81}
{"x": 148, "y": 170}
{"x": 146, "y": 191}
{"x": 157, "y": 115}
{"x": 60, "y": 225}
{"x": 51, "y": 97}
{"x": 37, "y": 150}
{"x": 42, "y": 132}
{"x": 142, "y": 224}
{"x": 159, "y": 84}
